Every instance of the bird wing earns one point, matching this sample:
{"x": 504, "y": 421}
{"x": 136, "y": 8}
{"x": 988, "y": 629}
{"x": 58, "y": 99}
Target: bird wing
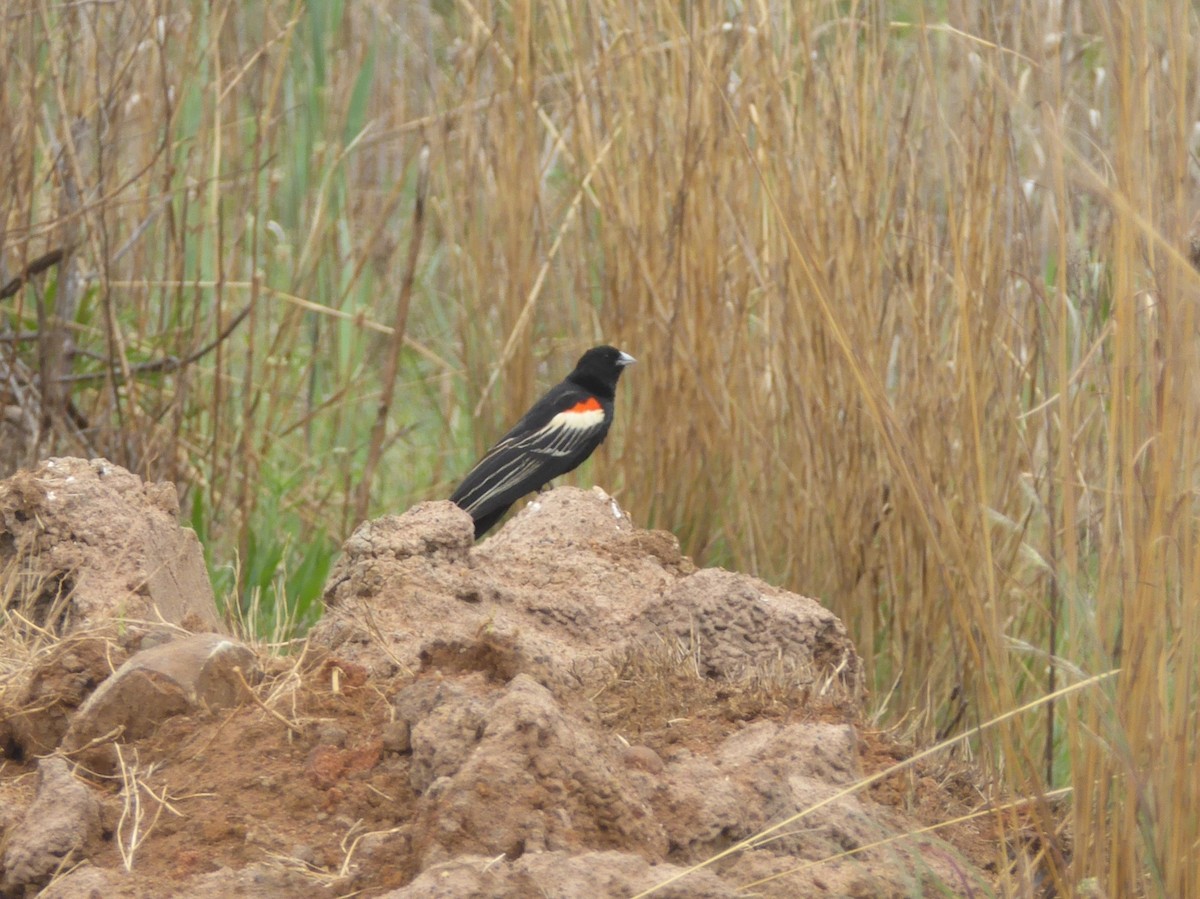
{"x": 526, "y": 458}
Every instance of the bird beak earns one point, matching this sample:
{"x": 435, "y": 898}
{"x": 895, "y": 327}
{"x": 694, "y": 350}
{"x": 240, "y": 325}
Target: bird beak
{"x": 625, "y": 359}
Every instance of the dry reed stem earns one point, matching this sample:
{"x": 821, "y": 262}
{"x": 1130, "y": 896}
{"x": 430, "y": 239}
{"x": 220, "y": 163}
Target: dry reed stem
{"x": 139, "y": 816}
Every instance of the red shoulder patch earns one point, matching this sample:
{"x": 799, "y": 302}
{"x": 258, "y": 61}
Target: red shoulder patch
{"x": 591, "y": 404}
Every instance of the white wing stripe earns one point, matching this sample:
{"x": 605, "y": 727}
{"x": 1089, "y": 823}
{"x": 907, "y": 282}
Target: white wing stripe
{"x": 562, "y": 436}
{"x": 571, "y": 426}
{"x": 499, "y": 480}
{"x": 580, "y": 421}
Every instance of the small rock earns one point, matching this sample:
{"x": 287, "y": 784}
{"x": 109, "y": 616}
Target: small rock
{"x": 643, "y": 757}
{"x": 397, "y": 736}
{"x": 331, "y": 735}
{"x": 201, "y": 671}
{"x": 303, "y": 852}
{"x": 374, "y": 849}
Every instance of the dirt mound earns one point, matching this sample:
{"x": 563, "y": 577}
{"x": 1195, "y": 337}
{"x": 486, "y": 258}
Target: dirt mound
{"x": 93, "y": 565}
{"x": 560, "y": 592}
{"x": 567, "y": 709}
{"x": 87, "y": 542}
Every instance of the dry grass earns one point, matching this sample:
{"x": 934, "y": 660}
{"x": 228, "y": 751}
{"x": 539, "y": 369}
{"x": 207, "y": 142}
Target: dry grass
{"x": 917, "y": 329}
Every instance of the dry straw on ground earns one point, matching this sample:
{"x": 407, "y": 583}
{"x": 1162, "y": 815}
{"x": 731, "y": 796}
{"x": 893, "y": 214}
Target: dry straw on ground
{"x": 910, "y": 290}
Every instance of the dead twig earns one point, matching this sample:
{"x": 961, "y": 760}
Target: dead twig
{"x": 294, "y": 728}
{"x": 32, "y": 270}
{"x": 168, "y": 364}
{"x": 392, "y": 361}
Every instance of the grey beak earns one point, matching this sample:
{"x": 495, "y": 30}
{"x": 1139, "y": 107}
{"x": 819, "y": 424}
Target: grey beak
{"x": 625, "y": 359}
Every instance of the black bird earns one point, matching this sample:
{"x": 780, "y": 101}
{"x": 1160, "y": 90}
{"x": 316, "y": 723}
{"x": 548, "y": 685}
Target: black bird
{"x": 561, "y": 430}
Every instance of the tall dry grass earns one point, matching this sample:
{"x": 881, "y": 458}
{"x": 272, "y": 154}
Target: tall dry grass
{"x": 910, "y": 293}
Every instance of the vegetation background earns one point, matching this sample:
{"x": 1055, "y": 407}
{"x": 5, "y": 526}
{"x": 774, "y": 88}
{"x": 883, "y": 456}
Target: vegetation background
{"x": 909, "y": 285}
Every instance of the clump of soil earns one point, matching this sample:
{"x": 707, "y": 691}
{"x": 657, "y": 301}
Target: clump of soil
{"x": 85, "y": 543}
{"x": 569, "y": 708}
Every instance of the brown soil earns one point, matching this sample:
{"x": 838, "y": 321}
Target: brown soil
{"x": 567, "y": 709}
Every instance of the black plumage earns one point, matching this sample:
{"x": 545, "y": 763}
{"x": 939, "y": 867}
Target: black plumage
{"x": 562, "y": 429}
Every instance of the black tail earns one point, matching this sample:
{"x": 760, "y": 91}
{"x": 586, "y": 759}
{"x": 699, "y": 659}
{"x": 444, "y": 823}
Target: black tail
{"x": 487, "y": 522}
